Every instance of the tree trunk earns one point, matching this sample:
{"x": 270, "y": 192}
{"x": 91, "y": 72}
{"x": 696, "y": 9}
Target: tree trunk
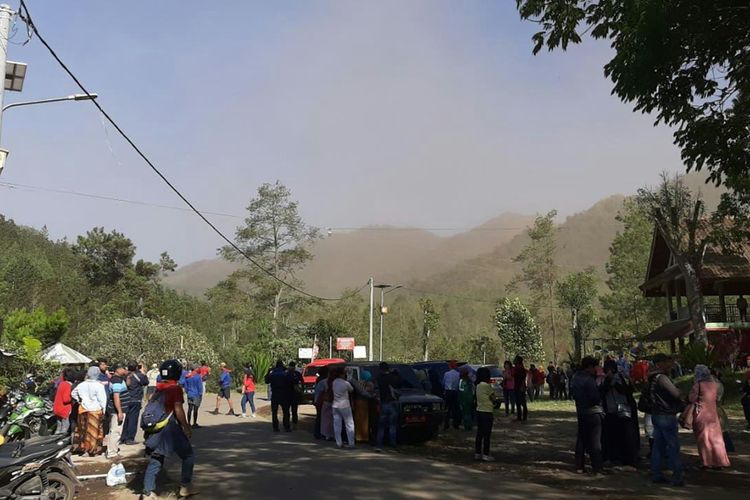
{"x": 576, "y": 337}
{"x": 552, "y": 323}
{"x": 276, "y": 307}
{"x": 426, "y": 345}
{"x": 694, "y": 295}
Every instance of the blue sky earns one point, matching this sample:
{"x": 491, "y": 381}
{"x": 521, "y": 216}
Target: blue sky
{"x": 424, "y": 113}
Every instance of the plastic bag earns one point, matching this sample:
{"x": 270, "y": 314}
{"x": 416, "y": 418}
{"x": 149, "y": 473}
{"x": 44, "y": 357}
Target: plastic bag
{"x": 116, "y": 475}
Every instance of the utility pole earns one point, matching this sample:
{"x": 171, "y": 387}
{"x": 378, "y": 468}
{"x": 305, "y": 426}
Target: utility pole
{"x": 372, "y": 299}
{"x": 6, "y": 14}
{"x": 382, "y": 317}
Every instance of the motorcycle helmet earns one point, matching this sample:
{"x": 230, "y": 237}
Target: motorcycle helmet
{"x": 171, "y": 369}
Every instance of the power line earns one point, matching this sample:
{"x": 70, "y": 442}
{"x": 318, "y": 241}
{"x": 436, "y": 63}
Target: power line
{"x": 26, "y": 17}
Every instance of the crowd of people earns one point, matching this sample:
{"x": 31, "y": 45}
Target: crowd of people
{"x": 608, "y": 423}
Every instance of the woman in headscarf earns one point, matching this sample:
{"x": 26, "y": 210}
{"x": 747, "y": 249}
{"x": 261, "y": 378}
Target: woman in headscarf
{"x": 620, "y": 435}
{"x": 92, "y": 403}
{"x": 364, "y": 392}
{"x": 706, "y": 423}
{"x": 466, "y": 398}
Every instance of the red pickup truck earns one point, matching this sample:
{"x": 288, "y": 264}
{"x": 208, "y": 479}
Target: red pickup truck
{"x": 310, "y": 376}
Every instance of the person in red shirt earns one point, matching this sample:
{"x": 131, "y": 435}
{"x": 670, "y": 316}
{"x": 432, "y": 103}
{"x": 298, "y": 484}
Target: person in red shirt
{"x": 63, "y": 404}
{"x": 248, "y": 392}
{"x": 174, "y": 438}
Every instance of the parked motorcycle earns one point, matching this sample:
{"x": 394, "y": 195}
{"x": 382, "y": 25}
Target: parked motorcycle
{"x": 25, "y": 415}
{"x": 36, "y": 469}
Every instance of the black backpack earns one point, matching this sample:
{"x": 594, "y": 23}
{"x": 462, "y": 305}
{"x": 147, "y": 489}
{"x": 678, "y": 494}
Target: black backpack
{"x": 646, "y": 401}
{"x": 155, "y": 416}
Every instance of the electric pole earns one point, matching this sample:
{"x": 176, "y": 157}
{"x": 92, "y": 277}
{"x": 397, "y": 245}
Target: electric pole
{"x": 372, "y": 299}
{"x": 6, "y": 14}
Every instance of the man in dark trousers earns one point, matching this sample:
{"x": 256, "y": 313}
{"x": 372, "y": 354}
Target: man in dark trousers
{"x": 296, "y": 381}
{"x": 388, "y": 383}
{"x": 281, "y": 395}
{"x": 136, "y": 381}
{"x": 666, "y": 403}
{"x": 450, "y": 390}
{"x": 590, "y": 415}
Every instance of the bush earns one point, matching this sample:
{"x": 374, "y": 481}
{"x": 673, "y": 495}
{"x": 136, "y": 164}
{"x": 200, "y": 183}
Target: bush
{"x": 146, "y": 341}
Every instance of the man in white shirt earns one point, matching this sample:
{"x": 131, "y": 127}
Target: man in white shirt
{"x": 450, "y": 388}
{"x": 342, "y": 410}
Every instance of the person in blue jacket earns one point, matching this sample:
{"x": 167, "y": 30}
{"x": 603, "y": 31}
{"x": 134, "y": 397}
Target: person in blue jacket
{"x": 225, "y": 390}
{"x": 193, "y": 384}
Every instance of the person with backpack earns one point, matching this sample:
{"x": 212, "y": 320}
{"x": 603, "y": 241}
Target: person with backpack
{"x": 136, "y": 381}
{"x": 664, "y": 401}
{"x": 167, "y": 431}
{"x": 225, "y": 390}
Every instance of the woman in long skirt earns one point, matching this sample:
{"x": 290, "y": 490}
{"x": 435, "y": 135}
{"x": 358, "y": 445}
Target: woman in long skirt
{"x": 92, "y": 403}
{"x": 706, "y": 424}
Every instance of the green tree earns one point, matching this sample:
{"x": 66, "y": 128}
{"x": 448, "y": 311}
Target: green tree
{"x": 35, "y": 329}
{"x": 627, "y": 311}
{"x": 577, "y": 293}
{"x": 430, "y": 321}
{"x": 276, "y": 237}
{"x": 539, "y": 271}
{"x": 518, "y": 331}
{"x": 146, "y": 341}
{"x": 682, "y": 59}
{"x": 106, "y": 257}
{"x": 679, "y": 217}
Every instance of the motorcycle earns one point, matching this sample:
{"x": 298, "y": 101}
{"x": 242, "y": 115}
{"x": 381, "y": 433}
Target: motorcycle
{"x": 36, "y": 469}
{"x": 25, "y": 415}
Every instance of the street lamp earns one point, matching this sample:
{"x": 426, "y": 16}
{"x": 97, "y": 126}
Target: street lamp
{"x": 383, "y": 310}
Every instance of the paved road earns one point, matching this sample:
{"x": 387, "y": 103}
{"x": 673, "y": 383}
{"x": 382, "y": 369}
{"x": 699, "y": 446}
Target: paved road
{"x": 243, "y": 458}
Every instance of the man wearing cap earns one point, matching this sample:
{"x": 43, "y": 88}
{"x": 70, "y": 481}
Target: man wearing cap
{"x": 451, "y": 380}
{"x": 666, "y": 402}
{"x": 225, "y": 390}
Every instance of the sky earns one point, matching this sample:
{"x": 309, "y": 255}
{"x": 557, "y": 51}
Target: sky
{"x": 426, "y": 113}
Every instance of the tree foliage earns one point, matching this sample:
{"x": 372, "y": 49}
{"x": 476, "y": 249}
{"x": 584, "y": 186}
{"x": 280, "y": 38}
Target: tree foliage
{"x": 277, "y": 238}
{"x": 577, "y": 292}
{"x": 627, "y": 311}
{"x": 539, "y": 272}
{"x": 678, "y": 215}
{"x": 430, "y": 321}
{"x": 683, "y": 60}
{"x": 518, "y": 331}
{"x": 146, "y": 341}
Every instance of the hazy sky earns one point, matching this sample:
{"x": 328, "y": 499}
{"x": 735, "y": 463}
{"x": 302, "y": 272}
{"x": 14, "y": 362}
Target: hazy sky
{"x": 426, "y": 113}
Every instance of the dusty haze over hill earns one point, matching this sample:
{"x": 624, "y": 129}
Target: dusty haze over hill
{"x": 478, "y": 260}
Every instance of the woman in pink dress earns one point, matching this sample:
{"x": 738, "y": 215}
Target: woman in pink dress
{"x": 706, "y": 425}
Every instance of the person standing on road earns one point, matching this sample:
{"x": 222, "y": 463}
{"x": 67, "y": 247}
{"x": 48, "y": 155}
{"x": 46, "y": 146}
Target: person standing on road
{"x": 225, "y": 390}
{"x": 666, "y": 403}
{"x": 281, "y": 395}
{"x": 621, "y": 441}
{"x": 342, "y": 409}
{"x": 509, "y": 392}
{"x": 194, "y": 390}
{"x": 450, "y": 388}
{"x": 520, "y": 376}
{"x": 590, "y": 414}
{"x": 119, "y": 402}
{"x": 466, "y": 398}
{"x": 173, "y": 438}
{"x": 92, "y": 403}
{"x": 248, "y": 392}
{"x": 320, "y": 389}
{"x": 389, "y": 382}
{"x": 136, "y": 381}
{"x": 152, "y": 375}
{"x": 296, "y": 381}
{"x": 63, "y": 405}
{"x": 707, "y": 425}
{"x": 485, "y": 416}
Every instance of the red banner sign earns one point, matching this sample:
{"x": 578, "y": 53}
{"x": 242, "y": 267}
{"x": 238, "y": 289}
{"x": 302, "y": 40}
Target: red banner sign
{"x": 345, "y": 344}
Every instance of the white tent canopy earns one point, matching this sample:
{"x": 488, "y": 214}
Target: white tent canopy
{"x": 64, "y": 355}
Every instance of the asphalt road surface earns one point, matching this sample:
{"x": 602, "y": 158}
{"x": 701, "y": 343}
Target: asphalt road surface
{"x": 243, "y": 458}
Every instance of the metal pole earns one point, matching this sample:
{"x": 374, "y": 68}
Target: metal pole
{"x": 5, "y": 16}
{"x": 330, "y": 347}
{"x": 382, "y": 316}
{"x": 372, "y": 299}
{"x": 75, "y": 97}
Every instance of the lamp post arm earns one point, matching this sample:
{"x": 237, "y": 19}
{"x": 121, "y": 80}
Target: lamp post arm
{"x": 76, "y": 97}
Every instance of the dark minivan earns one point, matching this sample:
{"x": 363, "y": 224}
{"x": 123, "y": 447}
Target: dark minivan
{"x": 419, "y": 412}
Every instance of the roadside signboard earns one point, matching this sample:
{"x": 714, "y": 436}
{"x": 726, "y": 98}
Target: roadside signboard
{"x": 360, "y": 352}
{"x": 345, "y": 343}
{"x": 305, "y": 353}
